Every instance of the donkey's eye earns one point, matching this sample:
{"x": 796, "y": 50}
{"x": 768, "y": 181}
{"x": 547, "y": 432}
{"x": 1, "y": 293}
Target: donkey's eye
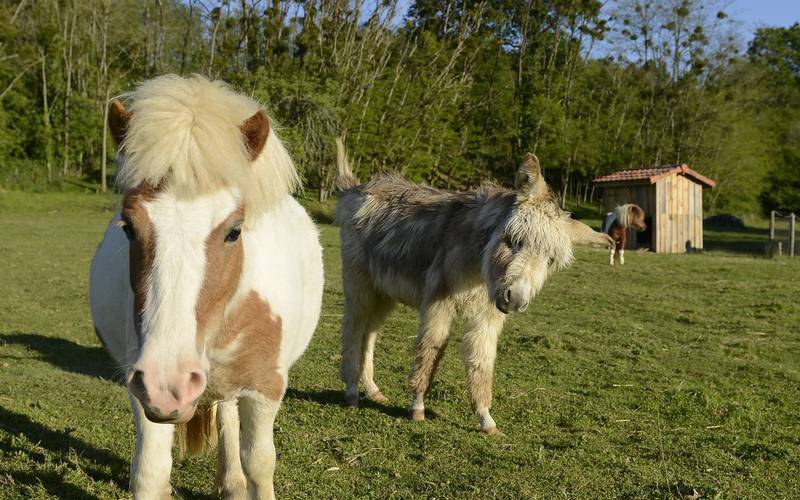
{"x": 515, "y": 245}
{"x": 233, "y": 235}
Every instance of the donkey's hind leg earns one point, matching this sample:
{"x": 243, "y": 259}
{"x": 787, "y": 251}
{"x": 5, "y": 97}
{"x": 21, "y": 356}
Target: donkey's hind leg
{"x": 152, "y": 459}
{"x": 479, "y": 350}
{"x": 364, "y": 311}
{"x": 376, "y": 318}
{"x": 434, "y": 329}
{"x": 231, "y": 483}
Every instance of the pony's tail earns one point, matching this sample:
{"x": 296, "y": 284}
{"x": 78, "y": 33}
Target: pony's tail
{"x": 345, "y": 178}
{"x": 200, "y": 433}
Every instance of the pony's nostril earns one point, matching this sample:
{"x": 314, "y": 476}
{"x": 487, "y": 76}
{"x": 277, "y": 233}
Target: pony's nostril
{"x": 507, "y": 296}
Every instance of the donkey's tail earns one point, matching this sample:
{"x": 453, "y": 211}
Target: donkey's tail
{"x": 345, "y": 178}
{"x": 200, "y": 433}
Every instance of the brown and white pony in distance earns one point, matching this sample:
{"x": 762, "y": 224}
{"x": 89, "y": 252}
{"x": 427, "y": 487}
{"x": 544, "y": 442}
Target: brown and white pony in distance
{"x": 207, "y": 285}
{"x": 616, "y": 224}
{"x": 481, "y": 254}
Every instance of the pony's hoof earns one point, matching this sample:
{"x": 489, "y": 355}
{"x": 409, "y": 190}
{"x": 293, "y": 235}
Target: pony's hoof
{"x": 492, "y": 431}
{"x": 417, "y": 415}
{"x": 377, "y": 397}
{"x": 235, "y": 490}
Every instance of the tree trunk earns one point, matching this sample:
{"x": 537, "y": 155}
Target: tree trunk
{"x": 68, "y": 90}
{"x": 48, "y": 142}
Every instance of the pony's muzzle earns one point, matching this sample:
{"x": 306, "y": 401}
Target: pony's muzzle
{"x": 168, "y": 401}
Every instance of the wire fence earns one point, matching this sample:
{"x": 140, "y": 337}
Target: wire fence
{"x": 782, "y": 234}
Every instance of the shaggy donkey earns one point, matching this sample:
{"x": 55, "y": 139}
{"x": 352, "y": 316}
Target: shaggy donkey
{"x": 483, "y": 254}
{"x": 616, "y": 224}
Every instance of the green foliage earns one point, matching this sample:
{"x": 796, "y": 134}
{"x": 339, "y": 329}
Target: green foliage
{"x": 451, "y": 93}
{"x": 777, "y": 50}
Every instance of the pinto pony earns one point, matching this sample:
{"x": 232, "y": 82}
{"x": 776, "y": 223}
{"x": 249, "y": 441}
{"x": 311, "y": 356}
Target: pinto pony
{"x": 482, "y": 254}
{"x": 207, "y": 285}
{"x": 616, "y": 225}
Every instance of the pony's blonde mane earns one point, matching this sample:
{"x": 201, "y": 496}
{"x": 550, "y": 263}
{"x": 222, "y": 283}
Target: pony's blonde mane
{"x": 622, "y": 214}
{"x": 184, "y": 134}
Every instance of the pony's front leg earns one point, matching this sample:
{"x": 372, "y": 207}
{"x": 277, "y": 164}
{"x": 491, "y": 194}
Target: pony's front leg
{"x": 434, "y": 328}
{"x": 479, "y": 350}
{"x": 611, "y": 254}
{"x": 231, "y": 482}
{"x": 152, "y": 459}
{"x": 621, "y": 256}
{"x": 257, "y": 415}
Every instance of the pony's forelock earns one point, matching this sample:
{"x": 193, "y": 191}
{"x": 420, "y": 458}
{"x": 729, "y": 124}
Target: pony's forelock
{"x": 622, "y": 214}
{"x": 184, "y": 134}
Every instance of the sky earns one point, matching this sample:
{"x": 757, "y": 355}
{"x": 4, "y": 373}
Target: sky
{"x": 756, "y": 13}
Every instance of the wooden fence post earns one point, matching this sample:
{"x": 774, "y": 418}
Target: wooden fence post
{"x": 772, "y": 225}
{"x": 792, "y": 219}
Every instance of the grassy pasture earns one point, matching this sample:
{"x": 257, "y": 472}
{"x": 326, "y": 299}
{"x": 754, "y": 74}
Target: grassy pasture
{"x": 676, "y": 375}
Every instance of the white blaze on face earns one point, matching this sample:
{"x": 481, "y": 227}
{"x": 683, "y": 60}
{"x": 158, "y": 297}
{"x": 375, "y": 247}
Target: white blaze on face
{"x": 169, "y": 324}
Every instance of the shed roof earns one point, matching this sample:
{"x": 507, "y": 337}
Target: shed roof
{"x": 653, "y": 175}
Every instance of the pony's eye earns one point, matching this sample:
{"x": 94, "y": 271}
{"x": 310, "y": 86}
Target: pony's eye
{"x": 127, "y": 226}
{"x": 233, "y": 235}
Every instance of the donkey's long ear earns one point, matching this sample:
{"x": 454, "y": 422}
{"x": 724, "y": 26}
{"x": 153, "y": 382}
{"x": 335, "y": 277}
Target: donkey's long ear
{"x": 118, "y": 119}
{"x": 530, "y": 180}
{"x": 255, "y": 131}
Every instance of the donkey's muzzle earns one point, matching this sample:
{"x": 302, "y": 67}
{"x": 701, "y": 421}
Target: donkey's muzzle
{"x": 507, "y": 301}
{"x": 172, "y": 401}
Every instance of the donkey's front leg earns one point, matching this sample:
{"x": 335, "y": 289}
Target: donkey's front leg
{"x": 152, "y": 459}
{"x": 479, "y": 350}
{"x": 231, "y": 482}
{"x": 257, "y": 415}
{"x": 434, "y": 328}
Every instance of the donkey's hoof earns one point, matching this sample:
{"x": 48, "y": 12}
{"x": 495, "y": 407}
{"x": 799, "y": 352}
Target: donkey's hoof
{"x": 417, "y": 415}
{"x": 351, "y": 401}
{"x": 492, "y": 431}
{"x": 377, "y": 397}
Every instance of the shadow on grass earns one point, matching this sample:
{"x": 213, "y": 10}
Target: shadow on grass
{"x": 62, "y": 444}
{"x": 67, "y": 355}
{"x": 747, "y": 240}
{"x": 330, "y": 397}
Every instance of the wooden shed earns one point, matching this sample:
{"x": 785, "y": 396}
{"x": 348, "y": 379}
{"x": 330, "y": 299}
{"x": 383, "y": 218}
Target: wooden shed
{"x": 672, "y": 198}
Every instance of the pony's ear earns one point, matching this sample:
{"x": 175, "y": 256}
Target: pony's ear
{"x": 255, "y": 131}
{"x": 581, "y": 234}
{"x": 118, "y": 119}
{"x": 529, "y": 180}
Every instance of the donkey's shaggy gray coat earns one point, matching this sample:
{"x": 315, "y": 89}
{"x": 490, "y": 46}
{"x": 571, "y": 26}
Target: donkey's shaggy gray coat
{"x": 482, "y": 254}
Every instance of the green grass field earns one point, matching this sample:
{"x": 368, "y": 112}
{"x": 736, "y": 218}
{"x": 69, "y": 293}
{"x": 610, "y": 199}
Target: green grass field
{"x": 675, "y": 375}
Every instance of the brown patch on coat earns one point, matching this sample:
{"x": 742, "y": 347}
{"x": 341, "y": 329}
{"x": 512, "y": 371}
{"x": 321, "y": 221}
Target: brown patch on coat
{"x": 255, "y": 361}
{"x": 118, "y": 119}
{"x": 142, "y": 247}
{"x": 223, "y": 269}
{"x": 255, "y": 130}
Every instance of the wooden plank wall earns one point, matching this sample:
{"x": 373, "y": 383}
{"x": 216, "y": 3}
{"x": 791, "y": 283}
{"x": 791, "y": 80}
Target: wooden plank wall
{"x": 679, "y": 216}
